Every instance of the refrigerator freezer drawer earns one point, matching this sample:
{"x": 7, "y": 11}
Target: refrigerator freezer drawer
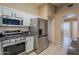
{"x": 42, "y": 44}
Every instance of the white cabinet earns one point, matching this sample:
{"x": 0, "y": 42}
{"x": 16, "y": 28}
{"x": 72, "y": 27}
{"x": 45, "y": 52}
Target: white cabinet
{"x": 0, "y": 11}
{"x": 7, "y": 11}
{"x": 24, "y": 16}
{"x": 29, "y": 44}
{"x": 10, "y": 12}
{"x": 0, "y": 49}
{"x": 18, "y": 14}
{"x": 26, "y": 21}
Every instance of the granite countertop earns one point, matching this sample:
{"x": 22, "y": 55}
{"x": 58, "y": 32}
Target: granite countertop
{"x": 74, "y": 48}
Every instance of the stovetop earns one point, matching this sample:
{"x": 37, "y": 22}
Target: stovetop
{"x": 12, "y": 36}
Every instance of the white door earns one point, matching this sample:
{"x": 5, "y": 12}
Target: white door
{"x": 66, "y": 34}
{"x": 69, "y": 32}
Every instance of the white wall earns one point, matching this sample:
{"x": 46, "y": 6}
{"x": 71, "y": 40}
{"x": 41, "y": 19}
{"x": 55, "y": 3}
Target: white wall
{"x": 43, "y": 11}
{"x": 51, "y": 30}
{"x": 26, "y": 7}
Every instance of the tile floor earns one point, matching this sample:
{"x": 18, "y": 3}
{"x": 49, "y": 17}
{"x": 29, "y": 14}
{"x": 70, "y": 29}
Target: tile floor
{"x": 53, "y": 49}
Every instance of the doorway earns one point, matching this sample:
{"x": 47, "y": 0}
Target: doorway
{"x": 69, "y": 31}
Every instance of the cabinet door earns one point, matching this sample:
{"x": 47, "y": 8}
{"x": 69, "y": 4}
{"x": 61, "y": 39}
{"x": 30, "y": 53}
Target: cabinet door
{"x": 29, "y": 44}
{"x": 0, "y": 48}
{"x": 33, "y": 22}
{"x": 0, "y": 11}
{"x": 18, "y": 14}
{"x": 7, "y": 11}
{"x": 26, "y": 21}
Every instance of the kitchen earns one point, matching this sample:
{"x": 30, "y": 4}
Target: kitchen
{"x": 36, "y": 29}
{"x": 21, "y": 32}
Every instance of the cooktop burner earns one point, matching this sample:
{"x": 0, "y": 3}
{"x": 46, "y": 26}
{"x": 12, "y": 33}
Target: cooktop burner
{"x": 13, "y": 36}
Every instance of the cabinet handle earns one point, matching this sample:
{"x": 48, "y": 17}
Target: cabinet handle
{"x": 15, "y": 15}
{"x": 12, "y": 14}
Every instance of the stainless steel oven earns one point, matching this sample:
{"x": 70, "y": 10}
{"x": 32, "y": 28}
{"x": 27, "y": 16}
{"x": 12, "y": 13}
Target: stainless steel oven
{"x": 14, "y": 49}
{"x": 12, "y": 43}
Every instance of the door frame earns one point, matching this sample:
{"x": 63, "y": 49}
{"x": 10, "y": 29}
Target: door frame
{"x": 71, "y": 29}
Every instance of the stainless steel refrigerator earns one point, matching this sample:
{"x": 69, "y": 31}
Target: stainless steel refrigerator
{"x": 39, "y": 28}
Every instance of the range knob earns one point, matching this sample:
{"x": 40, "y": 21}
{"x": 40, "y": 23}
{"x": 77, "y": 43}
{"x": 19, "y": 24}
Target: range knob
{"x": 8, "y": 41}
{"x": 18, "y": 39}
{"x": 23, "y": 38}
{"x": 13, "y": 40}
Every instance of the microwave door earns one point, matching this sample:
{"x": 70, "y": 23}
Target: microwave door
{"x": 8, "y": 21}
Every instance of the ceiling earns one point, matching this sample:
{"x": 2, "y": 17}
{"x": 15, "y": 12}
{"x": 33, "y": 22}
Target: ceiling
{"x": 54, "y": 4}
{"x": 37, "y": 4}
{"x": 60, "y": 4}
{"x": 40, "y": 4}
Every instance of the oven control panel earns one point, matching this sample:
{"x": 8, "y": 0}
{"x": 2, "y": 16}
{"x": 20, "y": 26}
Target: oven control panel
{"x": 12, "y": 41}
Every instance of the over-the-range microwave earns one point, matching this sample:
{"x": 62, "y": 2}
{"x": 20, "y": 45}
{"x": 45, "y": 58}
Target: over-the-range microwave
{"x": 10, "y": 21}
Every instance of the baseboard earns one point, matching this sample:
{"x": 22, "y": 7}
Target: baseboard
{"x": 57, "y": 42}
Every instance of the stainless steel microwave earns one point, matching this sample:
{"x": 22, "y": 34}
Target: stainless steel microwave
{"x": 9, "y": 21}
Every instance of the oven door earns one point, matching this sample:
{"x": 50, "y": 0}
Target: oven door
{"x": 14, "y": 49}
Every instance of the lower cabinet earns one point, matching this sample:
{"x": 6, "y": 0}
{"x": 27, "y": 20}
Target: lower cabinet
{"x": 29, "y": 44}
{"x": 0, "y": 49}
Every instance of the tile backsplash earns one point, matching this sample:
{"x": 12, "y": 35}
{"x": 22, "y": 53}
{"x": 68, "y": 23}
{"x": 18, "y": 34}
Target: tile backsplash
{"x": 10, "y": 28}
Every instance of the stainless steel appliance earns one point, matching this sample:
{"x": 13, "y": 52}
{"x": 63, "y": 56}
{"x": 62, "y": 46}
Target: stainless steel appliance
{"x": 12, "y": 43}
{"x": 14, "y": 49}
{"x": 11, "y": 22}
{"x": 39, "y": 28}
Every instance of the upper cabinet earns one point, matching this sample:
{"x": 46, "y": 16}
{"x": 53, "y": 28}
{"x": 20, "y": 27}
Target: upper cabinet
{"x": 0, "y": 11}
{"x": 43, "y": 11}
{"x": 51, "y": 11}
{"x": 18, "y": 14}
{"x": 27, "y": 19}
{"x": 7, "y": 11}
{"x": 14, "y": 13}
{"x": 47, "y": 11}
